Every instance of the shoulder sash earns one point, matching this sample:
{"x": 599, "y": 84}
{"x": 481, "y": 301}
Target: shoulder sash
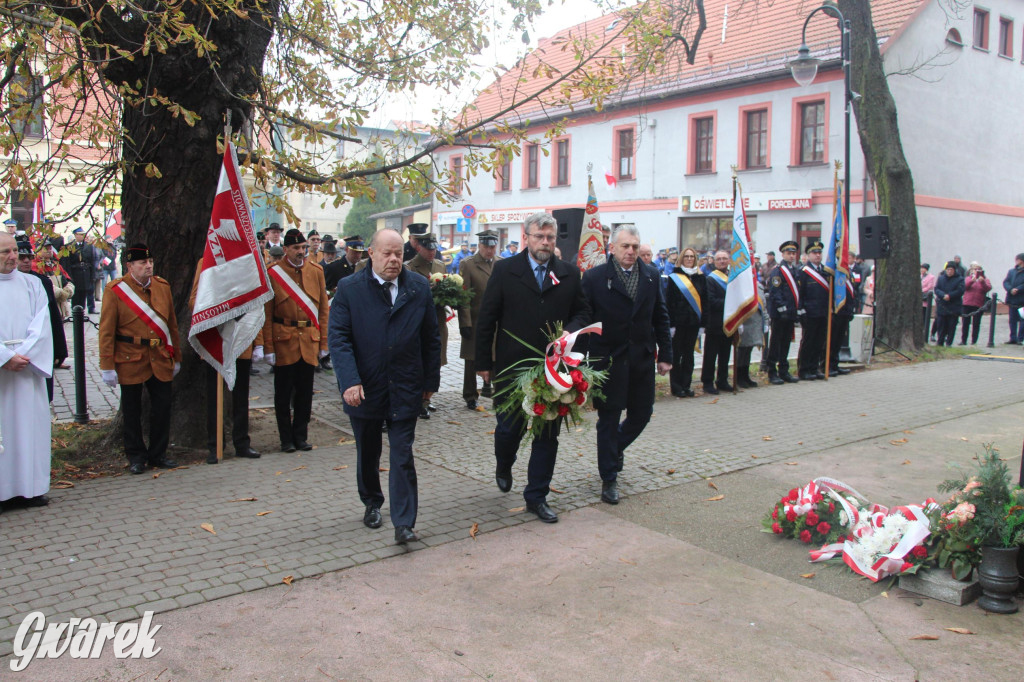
{"x": 145, "y": 313}
{"x": 689, "y": 292}
{"x": 719, "y": 278}
{"x": 817, "y": 277}
{"x": 296, "y": 293}
{"x": 791, "y": 282}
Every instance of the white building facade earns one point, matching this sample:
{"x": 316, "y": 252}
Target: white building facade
{"x": 671, "y": 156}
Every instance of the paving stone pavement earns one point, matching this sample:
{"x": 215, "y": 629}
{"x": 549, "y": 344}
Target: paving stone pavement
{"x": 116, "y": 547}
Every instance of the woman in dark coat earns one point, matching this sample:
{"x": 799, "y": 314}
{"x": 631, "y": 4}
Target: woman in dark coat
{"x": 687, "y": 290}
{"x": 949, "y": 297}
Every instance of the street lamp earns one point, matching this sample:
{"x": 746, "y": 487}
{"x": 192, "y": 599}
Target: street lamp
{"x": 805, "y": 67}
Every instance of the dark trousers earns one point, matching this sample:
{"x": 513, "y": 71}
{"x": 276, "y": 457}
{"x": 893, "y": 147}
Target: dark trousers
{"x": 812, "y": 344}
{"x": 778, "y": 347}
{"x": 159, "y": 420}
{"x": 717, "y": 347}
{"x": 293, "y": 381}
{"x": 972, "y": 324}
{"x": 239, "y": 406}
{"x": 469, "y": 391}
{"x": 1016, "y": 326}
{"x": 742, "y": 371}
{"x": 83, "y": 288}
{"x": 840, "y": 333}
{"x": 508, "y": 433}
{"x": 683, "y": 344}
{"x": 947, "y": 328}
{"x": 402, "y": 476}
{"x": 614, "y": 437}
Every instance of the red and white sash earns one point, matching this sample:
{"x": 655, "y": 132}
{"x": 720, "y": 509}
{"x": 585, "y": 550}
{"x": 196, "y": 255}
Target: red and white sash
{"x": 145, "y": 313}
{"x": 817, "y": 277}
{"x": 296, "y": 293}
{"x": 788, "y": 276}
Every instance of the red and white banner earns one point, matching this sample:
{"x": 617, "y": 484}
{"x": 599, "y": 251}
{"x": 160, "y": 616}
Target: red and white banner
{"x": 233, "y": 286}
{"x": 296, "y": 293}
{"x": 591, "y": 252}
{"x": 145, "y": 313}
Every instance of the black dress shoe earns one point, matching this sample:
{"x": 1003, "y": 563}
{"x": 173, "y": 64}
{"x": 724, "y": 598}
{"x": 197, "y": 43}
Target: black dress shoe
{"x": 211, "y": 458}
{"x": 37, "y": 501}
{"x": 303, "y": 445}
{"x": 842, "y": 370}
{"x": 689, "y": 393}
{"x": 711, "y": 390}
{"x": 137, "y": 468}
{"x": 789, "y": 378}
{"x": 679, "y": 394}
{"x": 424, "y": 414}
{"x": 371, "y": 518}
{"x": 163, "y": 463}
{"x": 487, "y": 391}
{"x": 430, "y": 406}
{"x": 248, "y": 453}
{"x": 747, "y": 383}
{"x": 819, "y": 375}
{"x": 287, "y": 447}
{"x": 610, "y": 492}
{"x": 471, "y": 405}
{"x": 404, "y": 534}
{"x": 724, "y": 387}
{"x": 543, "y": 511}
{"x": 807, "y": 376}
{"x": 503, "y": 477}
{"x": 253, "y": 371}
{"x": 775, "y": 380}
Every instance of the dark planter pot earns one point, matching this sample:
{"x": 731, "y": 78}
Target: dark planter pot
{"x": 997, "y": 574}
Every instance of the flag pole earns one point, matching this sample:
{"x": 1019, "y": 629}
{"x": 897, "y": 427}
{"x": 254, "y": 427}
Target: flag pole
{"x": 832, "y": 279}
{"x": 736, "y": 336}
{"x": 220, "y": 379}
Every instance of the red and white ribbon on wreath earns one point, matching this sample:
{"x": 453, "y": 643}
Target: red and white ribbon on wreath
{"x": 560, "y": 352}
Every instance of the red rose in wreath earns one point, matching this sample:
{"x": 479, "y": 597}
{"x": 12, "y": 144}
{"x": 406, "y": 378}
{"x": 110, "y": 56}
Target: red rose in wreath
{"x": 824, "y": 528}
{"x": 805, "y": 536}
{"x": 812, "y": 519}
{"x": 777, "y": 529}
{"x": 538, "y": 409}
{"x": 920, "y": 552}
{"x": 563, "y": 410}
{"x": 791, "y": 516}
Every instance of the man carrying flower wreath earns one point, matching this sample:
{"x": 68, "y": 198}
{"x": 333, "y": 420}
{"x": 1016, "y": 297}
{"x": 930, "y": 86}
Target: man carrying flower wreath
{"x": 625, "y": 296}
{"x": 526, "y": 295}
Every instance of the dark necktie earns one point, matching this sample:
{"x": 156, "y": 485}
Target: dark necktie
{"x": 540, "y": 276}
{"x": 386, "y": 288}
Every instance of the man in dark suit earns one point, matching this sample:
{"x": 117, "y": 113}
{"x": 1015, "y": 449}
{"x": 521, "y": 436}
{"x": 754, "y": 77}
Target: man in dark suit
{"x": 526, "y": 295}
{"x": 714, "y": 372}
{"x": 625, "y": 296}
{"x": 814, "y": 310}
{"x": 386, "y": 354}
{"x": 475, "y": 270}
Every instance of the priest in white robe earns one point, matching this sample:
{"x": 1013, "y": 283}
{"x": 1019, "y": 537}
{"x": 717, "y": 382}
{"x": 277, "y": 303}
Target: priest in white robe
{"x": 26, "y": 361}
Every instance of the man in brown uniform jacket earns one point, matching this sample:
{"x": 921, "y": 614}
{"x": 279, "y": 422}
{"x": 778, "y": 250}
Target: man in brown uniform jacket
{"x": 475, "y": 271}
{"x": 295, "y": 338}
{"x": 239, "y": 394}
{"x": 139, "y": 346}
{"x": 425, "y": 263}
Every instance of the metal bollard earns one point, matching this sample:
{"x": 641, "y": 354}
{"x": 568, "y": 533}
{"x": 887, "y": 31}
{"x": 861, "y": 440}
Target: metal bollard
{"x": 992, "y": 322}
{"x": 78, "y": 327}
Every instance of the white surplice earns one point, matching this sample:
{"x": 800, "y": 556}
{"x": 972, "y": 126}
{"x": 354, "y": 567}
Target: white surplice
{"x": 24, "y": 407}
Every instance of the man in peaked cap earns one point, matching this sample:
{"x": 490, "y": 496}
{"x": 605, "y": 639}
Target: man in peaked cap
{"x": 426, "y": 263}
{"x": 313, "y": 240}
{"x": 80, "y": 263}
{"x": 475, "y": 271}
{"x": 273, "y": 235}
{"x": 344, "y": 266}
{"x": 814, "y": 295}
{"x": 139, "y": 346}
{"x": 415, "y": 229}
{"x": 295, "y": 338}
{"x": 783, "y": 287}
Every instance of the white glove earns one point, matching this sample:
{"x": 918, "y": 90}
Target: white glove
{"x": 177, "y": 368}
{"x": 269, "y": 358}
{"x": 323, "y": 354}
{"x": 110, "y": 377}
{"x": 257, "y": 353}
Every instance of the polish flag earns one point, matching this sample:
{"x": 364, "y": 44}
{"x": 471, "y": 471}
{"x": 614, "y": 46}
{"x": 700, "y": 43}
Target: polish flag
{"x": 610, "y": 178}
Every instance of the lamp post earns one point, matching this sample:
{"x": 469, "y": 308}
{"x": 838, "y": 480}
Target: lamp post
{"x": 805, "y": 67}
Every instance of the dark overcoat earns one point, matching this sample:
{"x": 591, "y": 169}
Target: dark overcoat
{"x": 954, "y": 287}
{"x": 394, "y": 352}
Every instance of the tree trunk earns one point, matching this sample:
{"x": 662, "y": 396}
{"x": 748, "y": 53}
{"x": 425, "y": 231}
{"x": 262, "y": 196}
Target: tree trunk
{"x": 898, "y": 319}
{"x": 171, "y": 213}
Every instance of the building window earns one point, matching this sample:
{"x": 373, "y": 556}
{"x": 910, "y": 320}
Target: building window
{"x": 531, "y": 180}
{"x": 756, "y": 139}
{"x": 704, "y": 149}
{"x": 625, "y": 150}
{"x": 812, "y": 132}
{"x": 503, "y": 178}
{"x": 28, "y": 90}
{"x": 712, "y": 233}
{"x": 1005, "y": 37}
{"x": 806, "y": 233}
{"x": 456, "y": 172}
{"x": 560, "y": 171}
{"x": 980, "y": 29}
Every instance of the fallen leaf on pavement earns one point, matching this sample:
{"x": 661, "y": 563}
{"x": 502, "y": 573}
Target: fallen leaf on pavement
{"x": 908, "y": 431}
{"x": 901, "y": 441}
{"x": 766, "y": 438}
{"x": 265, "y": 513}
{"x": 807, "y": 575}
{"x": 963, "y": 439}
{"x": 885, "y": 594}
{"x": 343, "y": 466}
{"x": 711, "y": 484}
{"x": 861, "y": 415}
{"x": 481, "y": 408}
{"x": 556, "y": 490}
{"x": 474, "y": 530}
{"x": 208, "y": 527}
{"x": 278, "y": 473}
{"x": 671, "y": 471}
{"x": 287, "y": 580}
{"x": 716, "y": 498}
{"x": 961, "y": 631}
{"x": 906, "y": 461}
{"x": 799, "y": 442}
{"x": 627, "y": 561}
{"x": 63, "y": 485}
{"x": 490, "y": 433}
{"x": 245, "y": 499}
{"x": 713, "y": 401}
{"x": 516, "y": 510}
{"x": 383, "y": 469}
{"x": 301, "y": 467}
{"x": 754, "y": 457}
{"x": 792, "y": 464}
{"x": 925, "y": 637}
{"x": 342, "y": 440}
{"x": 450, "y": 421}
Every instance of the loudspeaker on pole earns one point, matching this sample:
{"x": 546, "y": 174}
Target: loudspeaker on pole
{"x": 874, "y": 237}
{"x": 570, "y": 225}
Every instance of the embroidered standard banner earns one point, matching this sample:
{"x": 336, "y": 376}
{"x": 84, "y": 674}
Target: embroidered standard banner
{"x": 741, "y": 298}
{"x": 837, "y": 261}
{"x": 591, "y": 251}
{"x": 296, "y": 293}
{"x": 145, "y": 313}
{"x": 233, "y": 284}
{"x": 689, "y": 292}
{"x": 560, "y": 351}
